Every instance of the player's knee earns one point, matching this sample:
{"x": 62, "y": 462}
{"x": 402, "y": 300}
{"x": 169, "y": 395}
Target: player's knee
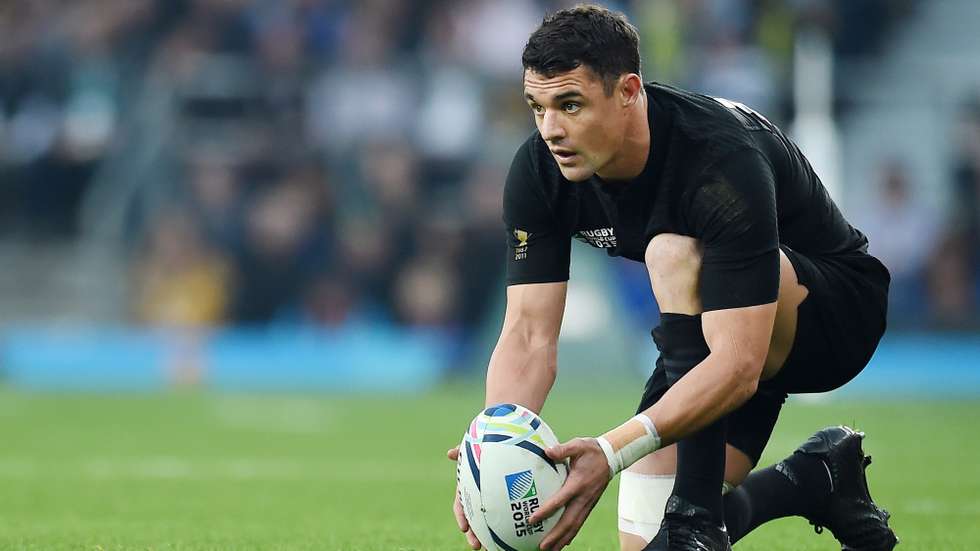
{"x": 642, "y": 500}
{"x": 673, "y": 257}
{"x": 674, "y": 264}
{"x": 631, "y": 542}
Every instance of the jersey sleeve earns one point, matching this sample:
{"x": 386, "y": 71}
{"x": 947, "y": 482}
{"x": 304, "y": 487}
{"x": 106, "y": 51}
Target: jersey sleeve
{"x": 538, "y": 246}
{"x": 733, "y": 214}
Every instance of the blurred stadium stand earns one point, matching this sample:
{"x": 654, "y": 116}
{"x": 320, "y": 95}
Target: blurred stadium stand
{"x": 216, "y": 183}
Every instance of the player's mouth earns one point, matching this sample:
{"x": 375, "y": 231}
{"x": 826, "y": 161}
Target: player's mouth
{"x": 564, "y": 156}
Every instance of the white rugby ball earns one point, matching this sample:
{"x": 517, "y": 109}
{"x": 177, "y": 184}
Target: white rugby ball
{"x": 504, "y": 475}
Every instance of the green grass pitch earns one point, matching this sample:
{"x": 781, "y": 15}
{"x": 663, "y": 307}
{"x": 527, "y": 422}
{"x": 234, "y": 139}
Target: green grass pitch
{"x": 200, "y": 471}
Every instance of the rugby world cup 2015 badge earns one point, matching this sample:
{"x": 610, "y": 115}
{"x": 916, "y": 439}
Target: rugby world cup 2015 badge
{"x": 523, "y": 496}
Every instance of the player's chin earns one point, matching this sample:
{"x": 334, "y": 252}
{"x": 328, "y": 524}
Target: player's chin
{"x": 577, "y": 173}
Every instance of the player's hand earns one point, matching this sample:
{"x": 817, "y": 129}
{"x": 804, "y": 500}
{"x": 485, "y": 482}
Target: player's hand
{"x": 588, "y": 476}
{"x": 453, "y": 455}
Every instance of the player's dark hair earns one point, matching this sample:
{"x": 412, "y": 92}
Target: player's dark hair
{"x": 584, "y": 36}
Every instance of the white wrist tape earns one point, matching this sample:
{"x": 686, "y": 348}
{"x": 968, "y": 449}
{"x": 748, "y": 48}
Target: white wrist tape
{"x": 633, "y": 446}
{"x": 610, "y": 456}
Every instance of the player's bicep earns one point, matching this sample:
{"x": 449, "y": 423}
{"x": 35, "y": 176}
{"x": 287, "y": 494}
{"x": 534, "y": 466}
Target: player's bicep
{"x": 536, "y": 310}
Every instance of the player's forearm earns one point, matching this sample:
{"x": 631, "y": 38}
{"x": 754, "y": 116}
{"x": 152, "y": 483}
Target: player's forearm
{"x": 522, "y": 369}
{"x": 711, "y": 390}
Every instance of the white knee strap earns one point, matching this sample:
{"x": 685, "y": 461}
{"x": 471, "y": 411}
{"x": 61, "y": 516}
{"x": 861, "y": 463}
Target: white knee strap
{"x": 642, "y": 500}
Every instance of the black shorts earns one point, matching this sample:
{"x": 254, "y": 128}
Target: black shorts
{"x": 838, "y": 328}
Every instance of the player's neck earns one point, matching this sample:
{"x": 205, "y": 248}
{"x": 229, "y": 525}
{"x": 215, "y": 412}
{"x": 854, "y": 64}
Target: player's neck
{"x": 632, "y": 157}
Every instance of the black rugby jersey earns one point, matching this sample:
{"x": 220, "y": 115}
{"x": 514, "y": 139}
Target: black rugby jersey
{"x": 717, "y": 171}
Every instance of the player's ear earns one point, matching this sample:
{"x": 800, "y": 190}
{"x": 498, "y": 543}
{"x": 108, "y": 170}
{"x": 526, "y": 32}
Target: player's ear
{"x": 629, "y": 87}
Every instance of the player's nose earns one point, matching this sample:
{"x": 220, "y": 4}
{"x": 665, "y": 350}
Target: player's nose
{"x": 551, "y": 128}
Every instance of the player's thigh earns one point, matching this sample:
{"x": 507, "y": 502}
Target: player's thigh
{"x": 791, "y": 294}
{"x": 673, "y": 262}
{"x": 838, "y": 325}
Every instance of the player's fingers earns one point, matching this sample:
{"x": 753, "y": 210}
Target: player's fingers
{"x": 464, "y": 525}
{"x": 570, "y": 523}
{"x": 549, "y": 507}
{"x": 567, "y": 450}
{"x": 566, "y": 540}
{"x": 559, "y": 532}
{"x": 557, "y": 452}
{"x": 555, "y": 534}
{"x": 556, "y": 502}
{"x": 473, "y": 540}
{"x": 460, "y": 516}
{"x": 573, "y": 529}
{"x": 572, "y": 519}
{"x": 561, "y": 452}
{"x": 572, "y": 487}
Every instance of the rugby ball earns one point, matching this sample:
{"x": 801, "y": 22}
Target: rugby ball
{"x": 504, "y": 475}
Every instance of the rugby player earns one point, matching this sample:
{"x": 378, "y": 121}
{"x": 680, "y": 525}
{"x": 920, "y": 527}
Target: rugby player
{"x": 764, "y": 288}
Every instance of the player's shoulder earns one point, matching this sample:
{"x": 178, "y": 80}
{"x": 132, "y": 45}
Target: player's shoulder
{"x": 692, "y": 107}
{"x": 682, "y": 98}
{"x": 707, "y": 126}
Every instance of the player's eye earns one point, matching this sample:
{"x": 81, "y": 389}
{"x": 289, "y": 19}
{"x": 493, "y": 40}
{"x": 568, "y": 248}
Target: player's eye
{"x": 570, "y": 107}
{"x": 538, "y": 109}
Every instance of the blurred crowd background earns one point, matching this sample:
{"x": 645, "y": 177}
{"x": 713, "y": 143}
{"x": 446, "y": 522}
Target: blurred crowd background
{"x": 332, "y": 163}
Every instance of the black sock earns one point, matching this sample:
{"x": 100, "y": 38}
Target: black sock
{"x": 795, "y": 486}
{"x": 701, "y": 456}
{"x": 701, "y": 469}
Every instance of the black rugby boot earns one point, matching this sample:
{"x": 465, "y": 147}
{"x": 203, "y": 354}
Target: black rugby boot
{"x": 687, "y": 527}
{"x": 849, "y": 512}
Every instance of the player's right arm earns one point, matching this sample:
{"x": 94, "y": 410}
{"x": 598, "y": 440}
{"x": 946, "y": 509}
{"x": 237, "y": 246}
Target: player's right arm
{"x": 524, "y": 363}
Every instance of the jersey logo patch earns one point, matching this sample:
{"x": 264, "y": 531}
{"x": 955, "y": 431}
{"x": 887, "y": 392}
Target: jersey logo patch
{"x": 521, "y": 236}
{"x": 520, "y": 251}
{"x": 603, "y": 238}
